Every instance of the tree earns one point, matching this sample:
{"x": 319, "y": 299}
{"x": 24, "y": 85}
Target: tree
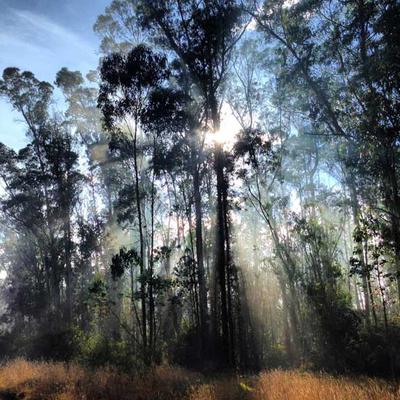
{"x": 356, "y": 103}
{"x": 203, "y": 35}
{"x": 127, "y": 82}
{"x": 41, "y": 184}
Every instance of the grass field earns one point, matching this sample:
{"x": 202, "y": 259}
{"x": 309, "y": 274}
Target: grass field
{"x": 20, "y": 379}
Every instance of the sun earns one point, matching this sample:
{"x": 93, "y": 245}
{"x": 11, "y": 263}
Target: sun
{"x": 227, "y": 133}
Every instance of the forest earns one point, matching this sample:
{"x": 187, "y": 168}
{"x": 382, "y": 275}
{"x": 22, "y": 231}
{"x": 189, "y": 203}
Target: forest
{"x": 212, "y": 211}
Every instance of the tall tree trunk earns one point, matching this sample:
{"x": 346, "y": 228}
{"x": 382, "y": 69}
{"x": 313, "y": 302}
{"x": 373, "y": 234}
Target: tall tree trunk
{"x": 200, "y": 257}
{"x": 221, "y": 234}
{"x": 359, "y": 249}
{"x": 152, "y": 329}
{"x": 220, "y": 252}
{"x": 393, "y": 203}
{"x": 230, "y": 275}
{"x": 141, "y": 239}
{"x": 68, "y": 265}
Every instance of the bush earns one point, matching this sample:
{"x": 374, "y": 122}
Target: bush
{"x": 96, "y": 350}
{"x": 56, "y": 346}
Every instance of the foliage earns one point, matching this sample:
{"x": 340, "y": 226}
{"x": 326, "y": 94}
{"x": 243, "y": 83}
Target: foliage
{"x": 222, "y": 192}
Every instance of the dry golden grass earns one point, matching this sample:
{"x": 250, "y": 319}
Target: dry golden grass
{"x": 222, "y": 389}
{"x": 287, "y": 385}
{"x": 59, "y": 381}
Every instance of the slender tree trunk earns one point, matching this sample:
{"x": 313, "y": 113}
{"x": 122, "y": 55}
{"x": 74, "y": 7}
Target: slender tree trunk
{"x": 200, "y": 258}
{"x": 370, "y": 291}
{"x": 393, "y": 203}
{"x": 221, "y": 254}
{"x": 286, "y": 317}
{"x": 151, "y": 272}
{"x": 68, "y": 266}
{"x": 221, "y": 234}
{"x": 360, "y": 250}
{"x": 230, "y": 276}
{"x": 141, "y": 239}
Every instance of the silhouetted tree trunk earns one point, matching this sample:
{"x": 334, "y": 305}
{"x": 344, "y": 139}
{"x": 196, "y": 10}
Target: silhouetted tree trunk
{"x": 359, "y": 249}
{"x": 200, "y": 256}
{"x": 141, "y": 238}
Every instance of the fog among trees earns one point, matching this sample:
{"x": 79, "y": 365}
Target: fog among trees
{"x": 221, "y": 193}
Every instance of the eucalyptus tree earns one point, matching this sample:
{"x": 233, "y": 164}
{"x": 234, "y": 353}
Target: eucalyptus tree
{"x": 202, "y": 35}
{"x": 344, "y": 56}
{"x": 41, "y": 188}
{"x": 127, "y": 82}
{"x": 97, "y": 226}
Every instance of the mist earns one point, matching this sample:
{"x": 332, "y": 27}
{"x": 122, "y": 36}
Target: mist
{"x": 210, "y": 187}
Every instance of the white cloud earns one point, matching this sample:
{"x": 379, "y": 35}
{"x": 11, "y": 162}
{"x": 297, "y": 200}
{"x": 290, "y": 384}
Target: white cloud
{"x": 51, "y": 30}
{"x": 14, "y": 43}
{"x": 34, "y": 42}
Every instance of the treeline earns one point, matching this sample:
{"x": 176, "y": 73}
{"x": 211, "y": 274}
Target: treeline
{"x": 135, "y": 230}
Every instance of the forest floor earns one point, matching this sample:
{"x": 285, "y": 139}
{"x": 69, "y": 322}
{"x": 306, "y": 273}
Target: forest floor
{"x": 20, "y": 379}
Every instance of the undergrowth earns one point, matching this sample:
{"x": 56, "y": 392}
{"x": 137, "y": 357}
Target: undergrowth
{"x": 60, "y": 381}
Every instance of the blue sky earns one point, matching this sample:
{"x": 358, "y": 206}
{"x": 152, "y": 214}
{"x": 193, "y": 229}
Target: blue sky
{"x": 43, "y": 36}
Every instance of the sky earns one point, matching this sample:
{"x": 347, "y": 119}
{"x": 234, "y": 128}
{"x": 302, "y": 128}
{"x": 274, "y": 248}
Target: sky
{"x": 43, "y": 36}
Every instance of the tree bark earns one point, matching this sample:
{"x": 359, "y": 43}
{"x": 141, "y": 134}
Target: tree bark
{"x": 200, "y": 258}
{"x": 141, "y": 239}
